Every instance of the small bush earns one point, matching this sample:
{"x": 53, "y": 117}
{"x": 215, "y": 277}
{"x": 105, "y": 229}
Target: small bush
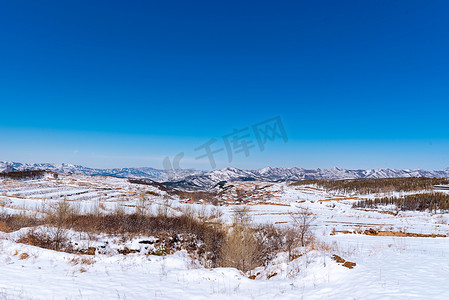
{"x": 48, "y": 238}
{"x": 246, "y": 247}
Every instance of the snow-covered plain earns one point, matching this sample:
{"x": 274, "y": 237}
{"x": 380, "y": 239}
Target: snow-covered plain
{"x": 387, "y": 267}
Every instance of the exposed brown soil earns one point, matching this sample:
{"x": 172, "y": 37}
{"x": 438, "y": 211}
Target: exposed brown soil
{"x": 24, "y": 256}
{"x": 339, "y": 199}
{"x": 338, "y": 259}
{"x": 400, "y": 233}
{"x": 349, "y": 265}
{"x": 385, "y": 212}
{"x": 345, "y": 263}
{"x": 374, "y": 232}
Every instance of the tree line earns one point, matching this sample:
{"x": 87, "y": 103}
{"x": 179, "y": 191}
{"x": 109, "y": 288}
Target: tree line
{"x": 381, "y": 185}
{"x": 19, "y": 175}
{"x": 420, "y": 202}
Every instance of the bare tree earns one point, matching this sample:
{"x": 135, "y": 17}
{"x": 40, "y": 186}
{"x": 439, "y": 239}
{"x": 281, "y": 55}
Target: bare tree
{"x": 302, "y": 220}
{"x": 240, "y": 248}
{"x": 291, "y": 240}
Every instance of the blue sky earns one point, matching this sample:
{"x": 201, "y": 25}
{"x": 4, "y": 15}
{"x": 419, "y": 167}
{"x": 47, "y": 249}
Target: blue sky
{"x": 356, "y": 84}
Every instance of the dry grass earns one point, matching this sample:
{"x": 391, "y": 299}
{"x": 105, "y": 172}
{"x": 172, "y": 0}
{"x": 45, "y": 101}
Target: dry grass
{"x": 82, "y": 261}
{"x": 10, "y": 223}
{"x": 24, "y": 256}
{"x": 48, "y": 238}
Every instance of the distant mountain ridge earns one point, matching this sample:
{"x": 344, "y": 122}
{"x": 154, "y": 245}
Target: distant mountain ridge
{"x": 143, "y": 172}
{"x": 194, "y": 179}
{"x": 210, "y": 179}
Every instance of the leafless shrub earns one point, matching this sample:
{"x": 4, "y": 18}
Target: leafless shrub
{"x": 10, "y": 222}
{"x": 141, "y": 205}
{"x": 97, "y": 208}
{"x": 62, "y": 214}
{"x": 291, "y": 240}
{"x": 162, "y": 209}
{"x": 239, "y": 249}
{"x": 247, "y": 247}
{"x": 242, "y": 217}
{"x": 302, "y": 221}
{"x": 48, "y": 238}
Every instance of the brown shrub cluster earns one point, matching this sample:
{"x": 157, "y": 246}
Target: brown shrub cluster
{"x": 49, "y": 238}
{"x": 10, "y": 223}
{"x": 246, "y": 247}
{"x": 242, "y": 245}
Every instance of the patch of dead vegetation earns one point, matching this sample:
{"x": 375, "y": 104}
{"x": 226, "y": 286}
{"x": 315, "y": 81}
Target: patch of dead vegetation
{"x": 343, "y": 262}
{"x": 10, "y": 223}
{"x": 81, "y": 261}
{"x": 24, "y": 256}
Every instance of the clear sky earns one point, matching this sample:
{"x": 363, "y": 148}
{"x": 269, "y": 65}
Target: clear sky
{"x": 355, "y": 84}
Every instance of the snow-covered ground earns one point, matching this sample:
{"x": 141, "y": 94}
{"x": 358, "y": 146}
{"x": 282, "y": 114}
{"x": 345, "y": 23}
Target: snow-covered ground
{"x": 387, "y": 267}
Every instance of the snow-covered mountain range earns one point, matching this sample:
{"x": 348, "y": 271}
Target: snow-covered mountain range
{"x": 210, "y": 179}
{"x": 144, "y": 172}
{"x": 194, "y": 179}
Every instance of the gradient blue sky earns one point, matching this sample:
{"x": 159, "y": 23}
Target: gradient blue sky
{"x": 357, "y": 84}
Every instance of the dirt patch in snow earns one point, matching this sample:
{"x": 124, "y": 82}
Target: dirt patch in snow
{"x": 339, "y": 199}
{"x": 400, "y": 233}
{"x": 345, "y": 263}
{"x": 374, "y": 232}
